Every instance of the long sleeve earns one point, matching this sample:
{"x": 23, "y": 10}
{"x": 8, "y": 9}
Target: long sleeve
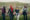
{"x": 27, "y": 11}
{"x": 13, "y": 10}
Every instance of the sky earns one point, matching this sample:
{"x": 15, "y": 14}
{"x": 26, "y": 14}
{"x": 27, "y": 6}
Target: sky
{"x": 24, "y": 1}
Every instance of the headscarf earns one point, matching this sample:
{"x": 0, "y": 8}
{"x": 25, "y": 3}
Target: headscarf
{"x": 25, "y": 6}
{"x": 11, "y": 8}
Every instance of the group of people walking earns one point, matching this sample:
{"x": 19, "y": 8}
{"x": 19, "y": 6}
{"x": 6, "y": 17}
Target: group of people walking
{"x": 11, "y": 12}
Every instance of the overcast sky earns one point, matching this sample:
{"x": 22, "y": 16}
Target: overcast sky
{"x": 24, "y": 1}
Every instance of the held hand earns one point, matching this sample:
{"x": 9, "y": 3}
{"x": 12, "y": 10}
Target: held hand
{"x": 7, "y": 14}
{"x": 14, "y": 13}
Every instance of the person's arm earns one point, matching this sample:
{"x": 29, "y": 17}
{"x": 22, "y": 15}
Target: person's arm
{"x": 5, "y": 10}
{"x": 13, "y": 10}
{"x": 8, "y": 10}
{"x": 26, "y": 10}
{"x": 22, "y": 9}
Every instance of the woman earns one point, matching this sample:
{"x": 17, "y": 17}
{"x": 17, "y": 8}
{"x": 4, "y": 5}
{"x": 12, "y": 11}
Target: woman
{"x": 11, "y": 10}
{"x": 17, "y": 13}
{"x": 25, "y": 12}
{"x": 3, "y": 12}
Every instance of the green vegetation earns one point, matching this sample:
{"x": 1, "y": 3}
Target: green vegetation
{"x": 21, "y": 17}
{"x": 17, "y": 4}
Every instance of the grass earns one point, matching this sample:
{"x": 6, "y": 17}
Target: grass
{"x": 21, "y": 17}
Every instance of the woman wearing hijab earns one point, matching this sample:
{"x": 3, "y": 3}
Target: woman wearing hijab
{"x": 3, "y": 12}
{"x": 25, "y": 12}
{"x": 11, "y": 10}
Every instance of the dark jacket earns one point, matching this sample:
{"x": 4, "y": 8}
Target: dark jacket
{"x": 11, "y": 13}
{"x": 25, "y": 11}
{"x": 3, "y": 10}
{"x": 17, "y": 11}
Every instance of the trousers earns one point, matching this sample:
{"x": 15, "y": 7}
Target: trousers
{"x": 11, "y": 17}
{"x": 17, "y": 16}
{"x": 3, "y": 14}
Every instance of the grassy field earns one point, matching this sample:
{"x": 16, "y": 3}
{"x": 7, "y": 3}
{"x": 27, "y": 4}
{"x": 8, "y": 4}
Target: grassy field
{"x": 21, "y": 17}
{"x": 17, "y": 4}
